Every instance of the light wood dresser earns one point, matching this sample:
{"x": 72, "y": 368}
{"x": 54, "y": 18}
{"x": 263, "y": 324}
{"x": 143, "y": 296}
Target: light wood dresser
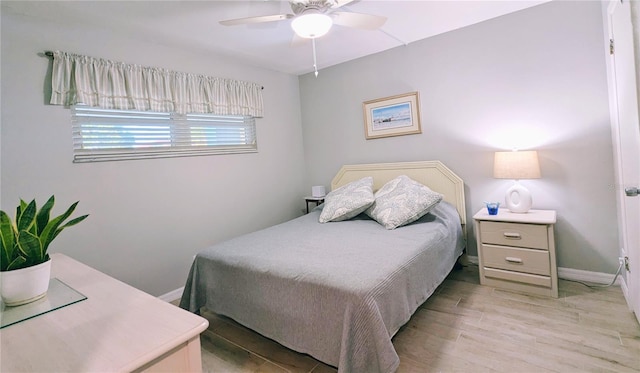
{"x": 116, "y": 329}
{"x": 517, "y": 251}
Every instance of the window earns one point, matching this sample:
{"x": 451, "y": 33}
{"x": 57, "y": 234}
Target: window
{"x": 108, "y": 135}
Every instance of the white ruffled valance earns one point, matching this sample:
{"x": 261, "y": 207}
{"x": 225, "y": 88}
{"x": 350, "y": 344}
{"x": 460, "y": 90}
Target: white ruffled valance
{"x": 115, "y": 85}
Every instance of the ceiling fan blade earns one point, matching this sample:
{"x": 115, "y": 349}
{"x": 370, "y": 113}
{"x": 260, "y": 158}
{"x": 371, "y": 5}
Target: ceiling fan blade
{"x": 358, "y": 20}
{"x": 259, "y": 19}
{"x": 339, "y": 3}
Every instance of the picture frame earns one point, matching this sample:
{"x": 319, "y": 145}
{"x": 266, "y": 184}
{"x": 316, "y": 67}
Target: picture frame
{"x": 392, "y": 116}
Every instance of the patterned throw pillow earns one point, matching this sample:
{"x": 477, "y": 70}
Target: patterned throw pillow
{"x": 402, "y": 201}
{"x": 348, "y": 200}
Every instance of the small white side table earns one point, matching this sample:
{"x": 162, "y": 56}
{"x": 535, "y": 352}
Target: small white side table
{"x": 316, "y": 200}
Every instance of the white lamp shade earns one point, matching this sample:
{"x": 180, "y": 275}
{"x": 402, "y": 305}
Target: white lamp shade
{"x": 311, "y": 25}
{"x": 318, "y": 191}
{"x": 517, "y": 165}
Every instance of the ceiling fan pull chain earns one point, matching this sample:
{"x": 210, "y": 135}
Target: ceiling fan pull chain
{"x": 315, "y": 64}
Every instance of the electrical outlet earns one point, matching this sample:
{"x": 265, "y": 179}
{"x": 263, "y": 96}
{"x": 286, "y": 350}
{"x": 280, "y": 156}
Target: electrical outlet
{"x": 624, "y": 261}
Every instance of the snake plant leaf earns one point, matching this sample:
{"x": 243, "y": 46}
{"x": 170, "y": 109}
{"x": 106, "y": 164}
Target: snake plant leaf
{"x": 17, "y": 263}
{"x": 42, "y": 218}
{"x": 19, "y": 210}
{"x": 21, "y": 206}
{"x": 4, "y": 257}
{"x": 27, "y": 217}
{"x": 69, "y": 224}
{"x": 51, "y": 230}
{"x": 7, "y": 240}
{"x": 75, "y": 221}
{"x": 30, "y": 246}
{"x": 7, "y": 231}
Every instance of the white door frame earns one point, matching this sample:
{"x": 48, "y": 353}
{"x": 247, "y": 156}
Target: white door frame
{"x": 622, "y": 70}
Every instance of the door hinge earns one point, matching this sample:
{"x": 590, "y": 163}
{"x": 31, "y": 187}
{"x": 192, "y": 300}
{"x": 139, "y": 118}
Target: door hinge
{"x": 611, "y": 48}
{"x": 626, "y": 264}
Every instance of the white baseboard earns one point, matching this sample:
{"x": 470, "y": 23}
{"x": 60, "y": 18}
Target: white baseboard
{"x": 172, "y": 295}
{"x": 587, "y": 276}
{"x": 575, "y": 274}
{"x": 625, "y": 292}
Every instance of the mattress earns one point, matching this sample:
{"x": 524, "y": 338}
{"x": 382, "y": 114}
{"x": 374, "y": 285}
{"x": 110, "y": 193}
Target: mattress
{"x": 337, "y": 291}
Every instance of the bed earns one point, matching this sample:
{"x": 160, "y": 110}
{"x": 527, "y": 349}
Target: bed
{"x": 337, "y": 291}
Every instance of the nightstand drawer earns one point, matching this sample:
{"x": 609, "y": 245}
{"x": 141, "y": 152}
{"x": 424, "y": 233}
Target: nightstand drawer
{"x": 514, "y": 234}
{"x": 518, "y": 277}
{"x": 516, "y": 259}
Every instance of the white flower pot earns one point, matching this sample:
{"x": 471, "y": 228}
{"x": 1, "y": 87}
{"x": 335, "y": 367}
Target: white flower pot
{"x": 25, "y": 285}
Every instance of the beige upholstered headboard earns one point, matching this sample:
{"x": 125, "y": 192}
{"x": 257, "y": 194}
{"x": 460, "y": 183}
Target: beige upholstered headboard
{"x": 433, "y": 174}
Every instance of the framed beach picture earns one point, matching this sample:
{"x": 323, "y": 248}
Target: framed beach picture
{"x": 392, "y": 116}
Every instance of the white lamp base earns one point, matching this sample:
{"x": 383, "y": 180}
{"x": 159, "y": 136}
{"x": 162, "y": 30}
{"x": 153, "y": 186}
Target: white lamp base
{"x": 518, "y": 199}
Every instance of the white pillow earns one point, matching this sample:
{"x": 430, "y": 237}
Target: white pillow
{"x": 402, "y": 201}
{"x": 348, "y": 200}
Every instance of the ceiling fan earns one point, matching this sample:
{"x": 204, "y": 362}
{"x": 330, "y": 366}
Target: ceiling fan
{"x": 314, "y": 18}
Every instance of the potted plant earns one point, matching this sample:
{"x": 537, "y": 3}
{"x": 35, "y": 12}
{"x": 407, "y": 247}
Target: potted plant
{"x": 25, "y": 266}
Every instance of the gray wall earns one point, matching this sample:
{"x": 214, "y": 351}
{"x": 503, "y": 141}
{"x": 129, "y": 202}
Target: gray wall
{"x": 148, "y": 217}
{"x": 535, "y": 79}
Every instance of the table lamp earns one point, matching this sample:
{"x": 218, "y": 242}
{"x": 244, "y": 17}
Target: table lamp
{"x": 517, "y": 165}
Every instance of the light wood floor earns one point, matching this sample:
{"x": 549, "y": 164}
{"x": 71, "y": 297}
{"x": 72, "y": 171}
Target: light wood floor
{"x": 466, "y": 327}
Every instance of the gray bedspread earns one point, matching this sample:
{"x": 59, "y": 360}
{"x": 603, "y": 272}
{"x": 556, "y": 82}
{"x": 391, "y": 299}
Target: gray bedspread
{"x": 337, "y": 291}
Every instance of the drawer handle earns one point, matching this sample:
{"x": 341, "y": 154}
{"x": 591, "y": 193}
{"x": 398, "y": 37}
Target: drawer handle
{"x": 511, "y": 259}
{"x": 512, "y": 236}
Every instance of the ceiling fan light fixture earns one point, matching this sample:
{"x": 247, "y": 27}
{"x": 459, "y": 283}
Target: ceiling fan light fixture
{"x": 312, "y": 25}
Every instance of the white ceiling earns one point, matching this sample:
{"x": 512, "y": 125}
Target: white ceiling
{"x": 194, "y": 25}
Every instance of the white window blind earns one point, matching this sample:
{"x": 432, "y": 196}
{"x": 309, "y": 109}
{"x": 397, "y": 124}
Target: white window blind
{"x": 107, "y": 135}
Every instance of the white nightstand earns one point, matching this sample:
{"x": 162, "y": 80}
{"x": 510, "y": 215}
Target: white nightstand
{"x": 518, "y": 251}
